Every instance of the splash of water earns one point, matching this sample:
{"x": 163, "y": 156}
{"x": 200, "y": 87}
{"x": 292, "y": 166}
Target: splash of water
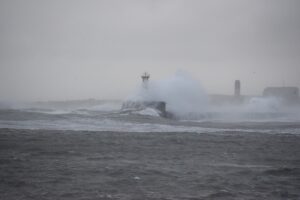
{"x": 186, "y": 99}
{"x": 181, "y": 92}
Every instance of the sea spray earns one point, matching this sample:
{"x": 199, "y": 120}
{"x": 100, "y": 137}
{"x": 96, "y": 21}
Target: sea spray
{"x": 186, "y": 100}
{"x": 262, "y": 104}
{"x": 251, "y": 109}
{"x": 181, "y": 92}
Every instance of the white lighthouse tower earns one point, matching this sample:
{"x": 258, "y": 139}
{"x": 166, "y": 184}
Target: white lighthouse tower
{"x": 145, "y": 77}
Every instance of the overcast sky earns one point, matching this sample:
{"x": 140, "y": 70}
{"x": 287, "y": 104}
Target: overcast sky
{"x": 71, "y": 49}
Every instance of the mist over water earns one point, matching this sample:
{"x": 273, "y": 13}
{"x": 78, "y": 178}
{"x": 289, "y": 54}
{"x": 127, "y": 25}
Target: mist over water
{"x": 257, "y": 109}
{"x": 187, "y": 100}
{"x": 192, "y": 110}
{"x": 263, "y": 104}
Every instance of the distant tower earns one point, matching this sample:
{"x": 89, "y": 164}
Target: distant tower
{"x": 237, "y": 88}
{"x": 145, "y": 78}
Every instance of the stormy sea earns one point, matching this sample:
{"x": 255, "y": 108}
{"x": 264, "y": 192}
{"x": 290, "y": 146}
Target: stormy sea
{"x": 93, "y": 149}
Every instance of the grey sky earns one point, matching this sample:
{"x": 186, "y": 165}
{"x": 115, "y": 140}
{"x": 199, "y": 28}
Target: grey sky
{"x": 59, "y": 49}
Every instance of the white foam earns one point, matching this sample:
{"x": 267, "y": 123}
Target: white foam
{"x": 148, "y": 111}
{"x": 79, "y": 124}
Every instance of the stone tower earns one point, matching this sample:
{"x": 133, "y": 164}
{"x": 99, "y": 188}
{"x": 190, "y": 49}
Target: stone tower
{"x": 237, "y": 88}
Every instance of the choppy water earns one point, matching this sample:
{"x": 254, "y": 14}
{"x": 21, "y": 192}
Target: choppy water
{"x": 107, "y": 116}
{"x": 245, "y": 155}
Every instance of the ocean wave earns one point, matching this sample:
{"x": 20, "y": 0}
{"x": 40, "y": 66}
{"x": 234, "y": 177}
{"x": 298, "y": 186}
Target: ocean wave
{"x": 108, "y": 116}
{"x": 148, "y": 111}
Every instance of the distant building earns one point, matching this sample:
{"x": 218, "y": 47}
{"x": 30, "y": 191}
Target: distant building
{"x": 287, "y": 94}
{"x": 235, "y": 99}
{"x": 237, "y": 88}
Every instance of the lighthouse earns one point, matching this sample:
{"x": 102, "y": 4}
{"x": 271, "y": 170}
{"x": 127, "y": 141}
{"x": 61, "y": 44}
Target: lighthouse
{"x": 131, "y": 105}
{"x": 145, "y": 77}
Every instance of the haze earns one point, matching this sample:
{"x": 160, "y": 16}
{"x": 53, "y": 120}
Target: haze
{"x": 62, "y": 50}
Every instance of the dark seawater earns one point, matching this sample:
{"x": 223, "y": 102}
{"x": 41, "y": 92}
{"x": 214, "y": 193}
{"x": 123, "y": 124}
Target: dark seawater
{"x": 44, "y": 164}
{"x": 95, "y": 150}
